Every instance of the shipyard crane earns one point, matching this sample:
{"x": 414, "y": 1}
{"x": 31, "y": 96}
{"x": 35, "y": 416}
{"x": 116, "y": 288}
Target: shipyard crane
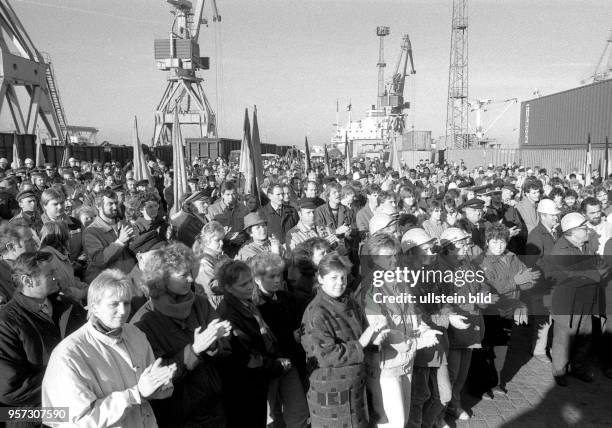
{"x": 179, "y": 55}
{"x": 23, "y": 66}
{"x": 394, "y": 96}
{"x": 603, "y": 69}
{"x": 480, "y": 106}
{"x": 381, "y": 32}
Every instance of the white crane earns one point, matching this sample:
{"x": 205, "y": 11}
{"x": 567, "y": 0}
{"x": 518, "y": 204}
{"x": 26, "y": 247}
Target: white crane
{"x": 602, "y": 73}
{"x": 480, "y": 106}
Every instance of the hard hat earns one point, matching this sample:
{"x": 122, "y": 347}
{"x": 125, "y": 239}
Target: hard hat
{"x": 414, "y": 238}
{"x": 571, "y": 221}
{"x": 387, "y": 209}
{"x": 379, "y": 221}
{"x": 548, "y": 206}
{"x": 452, "y": 234}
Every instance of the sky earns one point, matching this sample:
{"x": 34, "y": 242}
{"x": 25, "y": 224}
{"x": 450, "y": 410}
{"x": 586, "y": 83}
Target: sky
{"x": 294, "y": 58}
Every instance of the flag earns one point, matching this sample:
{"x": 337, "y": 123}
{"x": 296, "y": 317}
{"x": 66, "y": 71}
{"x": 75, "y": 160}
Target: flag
{"x": 247, "y": 167}
{"x": 16, "y": 160}
{"x": 141, "y": 170}
{"x": 607, "y": 154}
{"x": 394, "y": 157}
{"x": 256, "y": 154}
{"x": 347, "y": 155}
{"x": 326, "y": 159}
{"x": 589, "y": 161}
{"x": 179, "y": 183}
{"x": 66, "y": 152}
{"x": 307, "y": 156}
{"x": 40, "y": 155}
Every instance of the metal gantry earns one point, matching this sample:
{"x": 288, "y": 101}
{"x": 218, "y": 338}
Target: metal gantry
{"x": 179, "y": 55}
{"x": 23, "y": 66}
{"x": 457, "y": 127}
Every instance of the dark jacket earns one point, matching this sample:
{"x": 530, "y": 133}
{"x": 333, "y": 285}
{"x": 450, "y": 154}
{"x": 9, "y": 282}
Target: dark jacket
{"x": 7, "y": 286}
{"x": 197, "y": 392}
{"x": 27, "y": 337}
{"x": 325, "y": 218}
{"x": 282, "y": 315}
{"x": 245, "y": 389}
{"x": 578, "y": 280}
{"x": 477, "y": 231}
{"x": 280, "y": 223}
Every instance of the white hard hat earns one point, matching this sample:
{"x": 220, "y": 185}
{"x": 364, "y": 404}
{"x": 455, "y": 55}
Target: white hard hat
{"x": 414, "y": 238}
{"x": 572, "y": 220}
{"x": 453, "y": 234}
{"x": 356, "y": 175}
{"x": 387, "y": 209}
{"x": 380, "y": 221}
{"x": 452, "y": 186}
{"x": 548, "y": 206}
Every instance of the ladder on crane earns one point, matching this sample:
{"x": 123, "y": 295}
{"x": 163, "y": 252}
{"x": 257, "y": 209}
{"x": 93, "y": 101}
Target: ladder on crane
{"x": 58, "y": 108}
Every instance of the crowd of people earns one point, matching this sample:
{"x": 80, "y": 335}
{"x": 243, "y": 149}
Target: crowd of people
{"x": 230, "y": 309}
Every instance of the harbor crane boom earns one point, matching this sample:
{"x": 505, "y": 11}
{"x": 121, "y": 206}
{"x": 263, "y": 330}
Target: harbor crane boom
{"x": 600, "y": 73}
{"x": 480, "y": 106}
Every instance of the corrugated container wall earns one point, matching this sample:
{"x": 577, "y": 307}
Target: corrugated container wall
{"x": 564, "y": 120}
{"x": 416, "y": 140}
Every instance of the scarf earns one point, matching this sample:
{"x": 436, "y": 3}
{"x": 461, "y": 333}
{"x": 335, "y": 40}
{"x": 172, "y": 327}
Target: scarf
{"x": 102, "y": 328}
{"x": 175, "y": 307}
{"x": 268, "y": 337}
{"x": 248, "y": 309}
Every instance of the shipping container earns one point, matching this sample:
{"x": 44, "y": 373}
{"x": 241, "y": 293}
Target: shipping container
{"x": 564, "y": 119}
{"x": 416, "y": 140}
{"x": 210, "y": 148}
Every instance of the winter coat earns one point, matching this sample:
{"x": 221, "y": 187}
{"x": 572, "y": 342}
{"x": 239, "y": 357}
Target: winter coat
{"x": 197, "y": 383}
{"x": 395, "y": 355}
{"x": 578, "y": 288}
{"x": 335, "y": 359}
{"x": 245, "y": 389}
{"x": 96, "y": 377}
{"x": 103, "y": 251}
{"x": 279, "y": 223}
{"x": 27, "y": 337}
{"x": 472, "y": 336}
{"x": 499, "y": 272}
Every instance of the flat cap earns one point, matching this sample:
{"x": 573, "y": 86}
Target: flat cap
{"x": 472, "y": 203}
{"x": 308, "y": 203}
{"x": 25, "y": 194}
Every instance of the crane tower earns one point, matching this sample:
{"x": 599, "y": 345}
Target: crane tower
{"x": 381, "y": 32}
{"x": 457, "y": 133}
{"x": 179, "y": 55}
